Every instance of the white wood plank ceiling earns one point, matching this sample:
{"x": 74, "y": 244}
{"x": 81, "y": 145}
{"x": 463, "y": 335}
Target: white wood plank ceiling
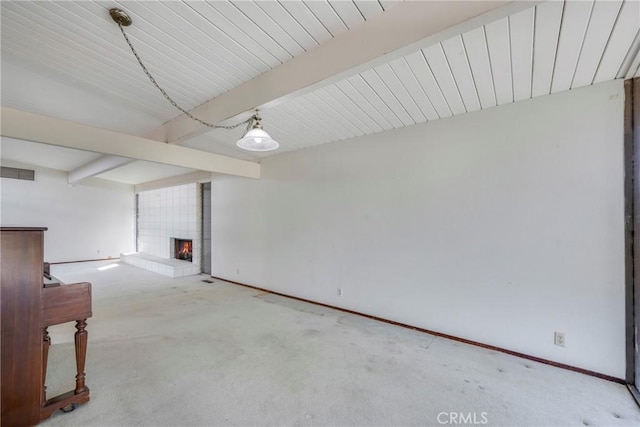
{"x": 552, "y": 47}
{"x": 198, "y": 50}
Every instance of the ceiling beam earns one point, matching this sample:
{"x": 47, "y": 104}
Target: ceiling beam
{"x": 188, "y": 178}
{"x": 96, "y": 167}
{"x": 48, "y": 130}
{"x": 404, "y": 29}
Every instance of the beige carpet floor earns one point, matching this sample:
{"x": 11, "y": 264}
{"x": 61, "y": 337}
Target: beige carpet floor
{"x": 181, "y": 352}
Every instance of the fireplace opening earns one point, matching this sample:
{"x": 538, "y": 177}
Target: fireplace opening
{"x": 182, "y": 249}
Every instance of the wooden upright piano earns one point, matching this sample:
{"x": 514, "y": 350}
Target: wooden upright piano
{"x": 28, "y": 308}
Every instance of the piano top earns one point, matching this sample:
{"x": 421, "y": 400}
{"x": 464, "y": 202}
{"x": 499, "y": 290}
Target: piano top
{"x": 17, "y": 228}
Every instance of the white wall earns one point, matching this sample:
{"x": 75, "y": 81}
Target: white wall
{"x": 90, "y": 220}
{"x": 500, "y": 226}
{"x": 166, "y": 213}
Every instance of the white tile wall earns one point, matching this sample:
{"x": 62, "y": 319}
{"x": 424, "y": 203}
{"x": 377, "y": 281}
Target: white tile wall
{"x": 173, "y": 212}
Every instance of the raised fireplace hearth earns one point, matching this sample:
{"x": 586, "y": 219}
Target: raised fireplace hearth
{"x": 182, "y": 249}
{"x": 165, "y": 266}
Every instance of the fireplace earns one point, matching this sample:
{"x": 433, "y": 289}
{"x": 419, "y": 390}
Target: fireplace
{"x": 183, "y": 249}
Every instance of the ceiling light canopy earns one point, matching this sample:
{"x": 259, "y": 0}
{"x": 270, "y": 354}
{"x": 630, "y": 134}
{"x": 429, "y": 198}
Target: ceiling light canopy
{"x": 254, "y": 138}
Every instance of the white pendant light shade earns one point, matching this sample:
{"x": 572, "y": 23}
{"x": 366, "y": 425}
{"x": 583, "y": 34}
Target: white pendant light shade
{"x": 257, "y": 140}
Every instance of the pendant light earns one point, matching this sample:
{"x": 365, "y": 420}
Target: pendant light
{"x": 255, "y": 139}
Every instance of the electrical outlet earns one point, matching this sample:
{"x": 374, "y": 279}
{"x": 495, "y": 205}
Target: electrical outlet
{"x": 558, "y": 339}
{"x": 339, "y": 292}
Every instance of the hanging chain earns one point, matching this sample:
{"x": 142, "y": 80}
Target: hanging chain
{"x": 248, "y": 122}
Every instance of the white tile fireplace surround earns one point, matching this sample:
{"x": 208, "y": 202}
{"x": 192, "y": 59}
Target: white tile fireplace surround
{"x": 165, "y": 215}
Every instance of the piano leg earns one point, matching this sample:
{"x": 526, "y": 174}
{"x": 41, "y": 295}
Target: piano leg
{"x": 46, "y": 343}
{"x": 81, "y": 354}
{"x": 69, "y": 400}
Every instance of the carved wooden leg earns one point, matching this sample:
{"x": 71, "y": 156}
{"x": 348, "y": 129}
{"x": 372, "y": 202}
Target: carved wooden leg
{"x": 46, "y": 343}
{"x": 81, "y": 354}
